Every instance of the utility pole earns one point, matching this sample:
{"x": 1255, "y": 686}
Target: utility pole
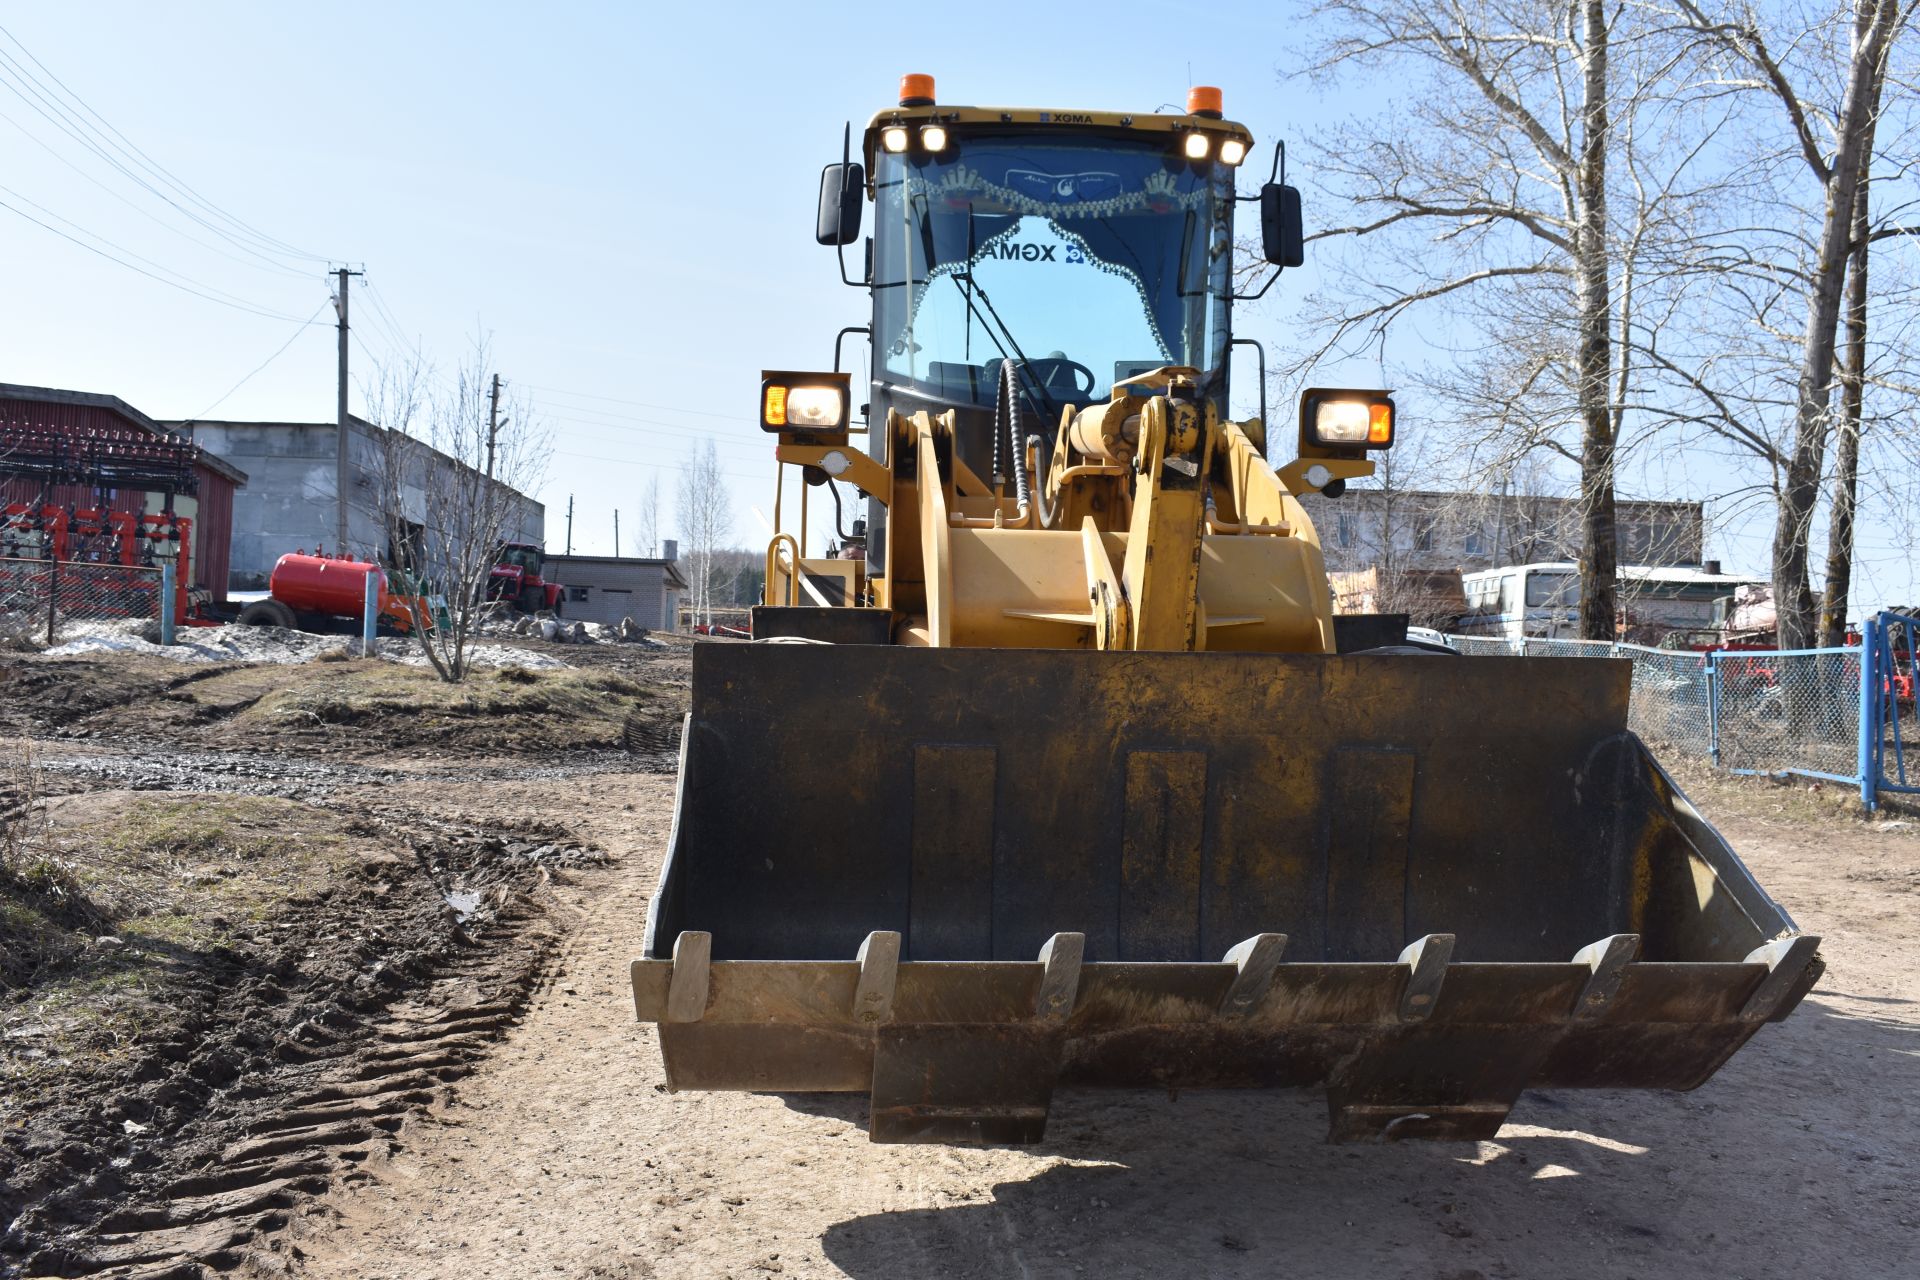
{"x": 340, "y": 484}
{"x": 493, "y": 423}
{"x": 569, "y": 524}
{"x": 616, "y": 533}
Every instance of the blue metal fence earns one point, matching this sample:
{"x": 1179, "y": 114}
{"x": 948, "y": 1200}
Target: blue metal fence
{"x": 1890, "y": 733}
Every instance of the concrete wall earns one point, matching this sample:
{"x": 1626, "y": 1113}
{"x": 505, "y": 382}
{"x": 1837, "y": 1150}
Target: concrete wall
{"x": 605, "y": 589}
{"x": 289, "y": 501}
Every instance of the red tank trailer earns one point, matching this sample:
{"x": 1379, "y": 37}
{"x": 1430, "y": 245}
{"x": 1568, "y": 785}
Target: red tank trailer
{"x": 312, "y": 592}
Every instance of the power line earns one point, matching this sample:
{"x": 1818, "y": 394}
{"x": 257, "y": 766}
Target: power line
{"x": 300, "y": 329}
{"x": 762, "y": 476}
{"x": 59, "y": 123}
{"x": 150, "y": 164}
{"x": 238, "y": 306}
{"x": 149, "y": 214}
{"x": 582, "y": 395}
{"x": 94, "y": 235}
{"x": 690, "y": 433}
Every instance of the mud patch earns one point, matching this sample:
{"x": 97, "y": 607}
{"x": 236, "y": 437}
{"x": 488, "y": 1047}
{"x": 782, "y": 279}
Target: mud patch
{"x": 292, "y": 1012}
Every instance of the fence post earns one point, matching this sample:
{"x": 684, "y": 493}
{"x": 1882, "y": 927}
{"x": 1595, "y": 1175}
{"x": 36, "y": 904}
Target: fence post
{"x": 53, "y": 593}
{"x": 166, "y": 602}
{"x": 1870, "y": 706}
{"x": 369, "y": 612}
{"x": 1713, "y": 706}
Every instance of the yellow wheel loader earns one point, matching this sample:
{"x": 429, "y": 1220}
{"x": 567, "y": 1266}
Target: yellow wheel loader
{"x": 1058, "y": 767}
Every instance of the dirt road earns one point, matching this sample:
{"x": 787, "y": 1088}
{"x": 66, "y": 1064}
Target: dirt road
{"x": 562, "y": 1155}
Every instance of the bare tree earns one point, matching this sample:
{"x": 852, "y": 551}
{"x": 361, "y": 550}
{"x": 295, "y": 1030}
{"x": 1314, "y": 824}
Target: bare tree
{"x": 706, "y": 520}
{"x": 445, "y": 517}
{"x": 1527, "y": 189}
{"x": 1835, "y": 147}
{"x": 649, "y": 532}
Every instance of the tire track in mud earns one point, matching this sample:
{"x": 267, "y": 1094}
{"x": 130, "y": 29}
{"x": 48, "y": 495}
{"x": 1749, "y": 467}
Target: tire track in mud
{"x": 281, "y": 1081}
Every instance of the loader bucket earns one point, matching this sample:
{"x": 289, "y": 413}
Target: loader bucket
{"x": 955, "y": 878}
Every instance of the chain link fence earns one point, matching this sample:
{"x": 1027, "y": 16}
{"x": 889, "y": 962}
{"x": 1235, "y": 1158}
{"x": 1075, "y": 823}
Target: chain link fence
{"x": 39, "y": 599}
{"x": 1772, "y": 711}
{"x": 1790, "y": 712}
{"x": 1672, "y": 701}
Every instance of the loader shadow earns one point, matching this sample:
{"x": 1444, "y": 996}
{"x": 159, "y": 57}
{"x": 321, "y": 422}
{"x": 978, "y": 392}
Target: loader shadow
{"x": 1784, "y": 1162}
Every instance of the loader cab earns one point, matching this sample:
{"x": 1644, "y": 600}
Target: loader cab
{"x": 1081, "y": 248}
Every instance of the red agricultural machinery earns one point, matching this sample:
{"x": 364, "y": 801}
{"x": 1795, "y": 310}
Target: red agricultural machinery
{"x": 518, "y": 580}
{"x": 117, "y": 551}
{"x": 317, "y": 592}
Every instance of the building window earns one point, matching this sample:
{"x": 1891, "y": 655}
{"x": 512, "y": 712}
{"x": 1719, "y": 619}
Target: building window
{"x": 577, "y": 594}
{"x": 1423, "y": 535}
{"x": 1343, "y": 530}
{"x": 1476, "y": 542}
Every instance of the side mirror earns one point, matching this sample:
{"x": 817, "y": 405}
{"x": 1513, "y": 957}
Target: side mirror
{"x": 1281, "y": 237}
{"x": 842, "y": 192}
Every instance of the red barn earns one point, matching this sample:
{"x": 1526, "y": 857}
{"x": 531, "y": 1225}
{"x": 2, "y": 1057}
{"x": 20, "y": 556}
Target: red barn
{"x": 40, "y": 410}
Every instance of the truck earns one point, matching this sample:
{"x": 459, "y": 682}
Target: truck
{"x": 1071, "y": 782}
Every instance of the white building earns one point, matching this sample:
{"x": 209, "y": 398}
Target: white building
{"x": 606, "y": 589}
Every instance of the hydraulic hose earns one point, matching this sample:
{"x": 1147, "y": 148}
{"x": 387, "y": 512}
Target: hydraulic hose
{"x": 1010, "y": 396}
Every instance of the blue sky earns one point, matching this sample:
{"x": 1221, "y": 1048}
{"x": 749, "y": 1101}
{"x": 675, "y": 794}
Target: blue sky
{"x": 622, "y": 195}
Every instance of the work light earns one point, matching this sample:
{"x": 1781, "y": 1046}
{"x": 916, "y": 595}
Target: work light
{"x": 805, "y": 403}
{"x": 1347, "y": 419}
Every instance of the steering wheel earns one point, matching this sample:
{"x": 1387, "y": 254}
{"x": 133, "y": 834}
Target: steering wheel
{"x": 1055, "y": 365}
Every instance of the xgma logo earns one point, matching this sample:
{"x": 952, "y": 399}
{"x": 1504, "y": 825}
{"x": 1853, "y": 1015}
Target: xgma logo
{"x": 1016, "y": 250}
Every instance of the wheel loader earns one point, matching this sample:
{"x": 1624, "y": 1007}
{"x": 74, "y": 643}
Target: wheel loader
{"x": 1059, "y": 769}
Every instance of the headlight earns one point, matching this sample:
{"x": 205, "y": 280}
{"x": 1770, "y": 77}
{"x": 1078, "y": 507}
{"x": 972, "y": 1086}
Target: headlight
{"x": 813, "y": 404}
{"x": 816, "y": 407}
{"x": 933, "y": 138}
{"x": 1347, "y": 419}
{"x": 1232, "y": 151}
{"x": 894, "y": 138}
{"x": 1197, "y": 145}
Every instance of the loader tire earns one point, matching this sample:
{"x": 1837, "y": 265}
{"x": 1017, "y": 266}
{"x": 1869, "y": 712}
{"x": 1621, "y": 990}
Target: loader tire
{"x": 1409, "y": 648}
{"x": 268, "y": 613}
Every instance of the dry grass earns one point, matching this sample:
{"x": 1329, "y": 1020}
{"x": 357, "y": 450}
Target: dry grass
{"x": 119, "y": 891}
{"x": 1794, "y": 798}
{"x": 585, "y": 705}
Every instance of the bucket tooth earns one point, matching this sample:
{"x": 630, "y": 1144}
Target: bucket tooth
{"x": 1254, "y": 961}
{"x": 1427, "y": 958}
{"x": 879, "y": 958}
{"x": 1606, "y": 961}
{"x": 1060, "y": 963}
{"x": 692, "y": 964}
{"x": 1792, "y": 967}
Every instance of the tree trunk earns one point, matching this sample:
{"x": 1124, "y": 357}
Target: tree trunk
{"x": 1846, "y": 477}
{"x": 1599, "y": 552}
{"x": 1792, "y": 532}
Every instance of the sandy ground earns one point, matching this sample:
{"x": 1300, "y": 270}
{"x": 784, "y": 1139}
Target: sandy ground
{"x": 564, "y": 1156}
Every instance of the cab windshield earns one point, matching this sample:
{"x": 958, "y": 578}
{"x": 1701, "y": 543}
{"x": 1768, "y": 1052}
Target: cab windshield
{"x": 1088, "y": 260}
{"x": 523, "y": 558}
